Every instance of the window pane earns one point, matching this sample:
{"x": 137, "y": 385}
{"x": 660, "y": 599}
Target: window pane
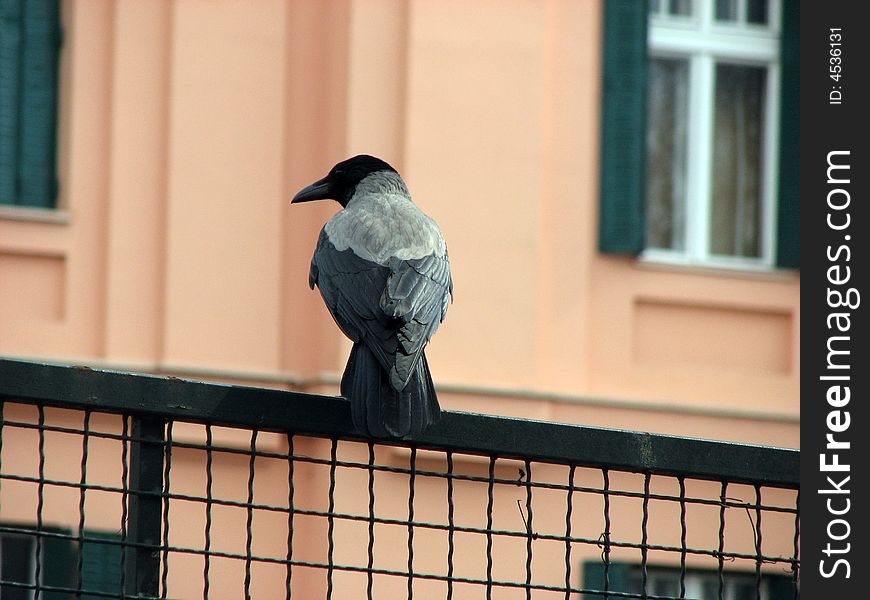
{"x": 16, "y": 564}
{"x": 681, "y": 7}
{"x": 726, "y": 10}
{"x": 655, "y": 7}
{"x": 737, "y": 156}
{"x": 666, "y": 153}
{"x": 663, "y": 585}
{"x": 756, "y": 11}
{"x": 744, "y": 590}
{"x": 709, "y": 589}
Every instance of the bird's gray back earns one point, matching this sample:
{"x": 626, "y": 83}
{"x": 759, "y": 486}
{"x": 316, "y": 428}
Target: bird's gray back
{"x": 381, "y": 222}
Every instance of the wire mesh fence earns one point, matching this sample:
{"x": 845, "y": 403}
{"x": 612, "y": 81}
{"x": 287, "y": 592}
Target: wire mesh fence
{"x": 122, "y": 486}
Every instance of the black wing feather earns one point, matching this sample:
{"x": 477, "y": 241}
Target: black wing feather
{"x": 394, "y": 309}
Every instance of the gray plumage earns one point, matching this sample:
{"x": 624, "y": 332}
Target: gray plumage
{"x": 383, "y": 271}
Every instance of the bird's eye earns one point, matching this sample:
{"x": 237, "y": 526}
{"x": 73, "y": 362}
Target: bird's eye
{"x": 338, "y": 173}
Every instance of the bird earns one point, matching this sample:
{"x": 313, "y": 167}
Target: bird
{"x": 383, "y": 271}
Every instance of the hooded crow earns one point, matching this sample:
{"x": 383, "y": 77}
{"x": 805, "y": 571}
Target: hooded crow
{"x": 381, "y": 266}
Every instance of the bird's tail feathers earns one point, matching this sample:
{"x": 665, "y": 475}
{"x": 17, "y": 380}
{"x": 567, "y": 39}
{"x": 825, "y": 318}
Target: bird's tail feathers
{"x": 380, "y": 410}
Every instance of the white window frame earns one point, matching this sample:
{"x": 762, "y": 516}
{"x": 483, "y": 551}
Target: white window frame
{"x": 703, "y": 41}
{"x": 695, "y": 583}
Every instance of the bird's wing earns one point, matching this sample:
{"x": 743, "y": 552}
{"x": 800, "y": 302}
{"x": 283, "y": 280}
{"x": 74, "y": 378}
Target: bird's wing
{"x": 417, "y": 294}
{"x": 394, "y": 308}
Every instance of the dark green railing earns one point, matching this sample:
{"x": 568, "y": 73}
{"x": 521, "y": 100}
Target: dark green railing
{"x": 150, "y": 405}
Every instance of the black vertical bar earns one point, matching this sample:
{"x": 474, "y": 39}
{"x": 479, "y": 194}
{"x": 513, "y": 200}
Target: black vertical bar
{"x": 249, "y": 533}
{"x": 683, "y": 534}
{"x": 145, "y": 504}
{"x": 167, "y": 465}
{"x": 450, "y": 525}
{"x": 569, "y": 509}
{"x": 209, "y": 481}
{"x": 40, "y": 501}
{"x": 606, "y": 491}
{"x": 411, "y": 483}
{"x": 489, "y": 507}
{"x": 797, "y": 539}
{"x": 529, "y": 530}
{"x": 125, "y": 498}
{"x": 644, "y": 545}
{"x": 758, "y": 542}
{"x": 290, "y": 513}
{"x": 2, "y": 422}
{"x": 330, "y": 519}
{"x": 83, "y": 481}
{"x": 722, "y": 497}
{"x": 371, "y": 548}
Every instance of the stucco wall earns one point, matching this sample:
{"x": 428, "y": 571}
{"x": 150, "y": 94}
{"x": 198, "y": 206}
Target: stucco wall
{"x": 186, "y": 126}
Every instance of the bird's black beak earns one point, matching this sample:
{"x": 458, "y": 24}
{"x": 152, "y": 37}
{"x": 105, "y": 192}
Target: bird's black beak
{"x": 319, "y": 190}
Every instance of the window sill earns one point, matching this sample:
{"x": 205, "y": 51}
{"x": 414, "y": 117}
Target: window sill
{"x": 34, "y": 215}
{"x": 721, "y": 267}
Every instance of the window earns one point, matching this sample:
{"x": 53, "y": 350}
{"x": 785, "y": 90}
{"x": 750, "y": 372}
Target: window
{"x": 713, "y": 74}
{"x": 16, "y": 565}
{"x": 18, "y": 561}
{"x": 700, "y": 584}
{"x": 29, "y": 43}
{"x": 59, "y": 562}
{"x": 699, "y": 132}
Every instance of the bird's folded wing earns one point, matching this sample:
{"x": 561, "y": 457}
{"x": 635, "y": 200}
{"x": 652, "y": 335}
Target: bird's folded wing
{"x": 394, "y": 308}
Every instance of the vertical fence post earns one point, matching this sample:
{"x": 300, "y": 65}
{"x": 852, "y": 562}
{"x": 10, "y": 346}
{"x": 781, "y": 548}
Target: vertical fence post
{"x": 142, "y": 575}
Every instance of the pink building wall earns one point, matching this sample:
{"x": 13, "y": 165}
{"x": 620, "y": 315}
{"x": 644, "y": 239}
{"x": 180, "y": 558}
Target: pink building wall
{"x": 185, "y": 127}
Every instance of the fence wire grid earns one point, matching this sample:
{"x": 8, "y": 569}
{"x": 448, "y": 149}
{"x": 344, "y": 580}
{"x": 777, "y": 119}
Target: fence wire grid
{"x": 124, "y": 486}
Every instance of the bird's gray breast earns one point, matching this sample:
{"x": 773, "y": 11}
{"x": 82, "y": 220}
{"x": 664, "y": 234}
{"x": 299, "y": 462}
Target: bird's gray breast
{"x": 378, "y": 227}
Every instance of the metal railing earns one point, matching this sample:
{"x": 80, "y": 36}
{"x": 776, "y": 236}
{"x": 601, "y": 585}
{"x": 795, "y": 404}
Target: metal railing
{"x": 115, "y": 485}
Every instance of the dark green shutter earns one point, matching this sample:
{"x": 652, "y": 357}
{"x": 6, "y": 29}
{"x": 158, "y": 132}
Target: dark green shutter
{"x": 101, "y": 564}
{"x": 618, "y": 577}
{"x": 58, "y": 564}
{"x": 622, "y": 227}
{"x": 780, "y": 587}
{"x": 10, "y": 51}
{"x": 788, "y": 211}
{"x": 29, "y": 44}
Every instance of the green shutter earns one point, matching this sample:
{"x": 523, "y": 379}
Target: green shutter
{"x": 57, "y": 564}
{"x": 621, "y": 222}
{"x": 780, "y": 587}
{"x": 39, "y": 103}
{"x": 618, "y": 577}
{"x": 29, "y": 44}
{"x": 101, "y": 564}
{"x": 788, "y": 211}
{"x": 10, "y": 51}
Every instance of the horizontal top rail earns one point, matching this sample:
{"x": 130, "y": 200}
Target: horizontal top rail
{"x": 84, "y": 388}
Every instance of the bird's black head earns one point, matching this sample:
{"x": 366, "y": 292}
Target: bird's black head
{"x": 342, "y": 179}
